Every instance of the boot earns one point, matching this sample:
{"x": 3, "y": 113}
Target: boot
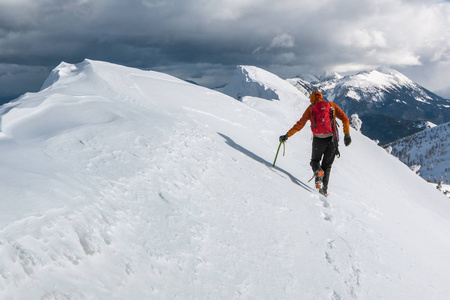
{"x": 323, "y": 191}
{"x": 319, "y": 173}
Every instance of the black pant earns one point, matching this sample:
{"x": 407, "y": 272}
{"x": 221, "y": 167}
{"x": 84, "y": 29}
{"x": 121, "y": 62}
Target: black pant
{"x": 323, "y": 152}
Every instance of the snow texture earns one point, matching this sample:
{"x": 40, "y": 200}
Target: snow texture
{"x": 118, "y": 183}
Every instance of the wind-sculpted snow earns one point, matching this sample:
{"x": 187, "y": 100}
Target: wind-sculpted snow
{"x": 118, "y": 183}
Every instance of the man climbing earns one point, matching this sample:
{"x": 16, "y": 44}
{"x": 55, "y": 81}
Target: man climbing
{"x": 324, "y": 147}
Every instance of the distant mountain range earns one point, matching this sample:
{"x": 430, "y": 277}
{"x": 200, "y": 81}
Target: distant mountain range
{"x": 389, "y": 103}
{"x": 429, "y": 149}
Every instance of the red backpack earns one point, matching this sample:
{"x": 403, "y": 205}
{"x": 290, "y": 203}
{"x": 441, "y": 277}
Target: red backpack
{"x": 322, "y": 118}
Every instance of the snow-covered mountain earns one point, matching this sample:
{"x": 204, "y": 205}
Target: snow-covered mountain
{"x": 388, "y": 102}
{"x": 250, "y": 84}
{"x": 118, "y": 183}
{"x": 428, "y": 149}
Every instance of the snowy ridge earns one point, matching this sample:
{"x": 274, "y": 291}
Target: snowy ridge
{"x": 256, "y": 82}
{"x": 251, "y": 84}
{"x": 118, "y": 183}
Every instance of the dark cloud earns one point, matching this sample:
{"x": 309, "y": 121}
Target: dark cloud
{"x": 16, "y": 80}
{"x": 204, "y": 40}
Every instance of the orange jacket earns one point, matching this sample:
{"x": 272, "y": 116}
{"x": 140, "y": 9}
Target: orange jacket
{"x": 315, "y": 98}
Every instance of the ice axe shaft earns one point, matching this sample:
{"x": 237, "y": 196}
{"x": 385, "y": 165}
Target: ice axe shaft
{"x": 276, "y": 156}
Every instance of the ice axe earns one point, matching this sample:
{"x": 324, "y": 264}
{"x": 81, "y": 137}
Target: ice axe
{"x": 276, "y": 156}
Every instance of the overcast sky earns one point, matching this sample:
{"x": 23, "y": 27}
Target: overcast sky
{"x": 204, "y": 40}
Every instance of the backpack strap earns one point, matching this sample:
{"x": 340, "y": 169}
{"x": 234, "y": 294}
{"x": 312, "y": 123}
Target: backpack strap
{"x": 334, "y": 126}
{"x": 313, "y": 118}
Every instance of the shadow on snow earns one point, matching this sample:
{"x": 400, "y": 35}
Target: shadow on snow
{"x": 261, "y": 160}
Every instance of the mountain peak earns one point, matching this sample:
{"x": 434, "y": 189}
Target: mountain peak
{"x": 256, "y": 82}
{"x": 329, "y": 76}
{"x": 308, "y": 78}
{"x": 398, "y": 76}
{"x": 326, "y": 76}
{"x": 387, "y": 70}
{"x": 382, "y": 77}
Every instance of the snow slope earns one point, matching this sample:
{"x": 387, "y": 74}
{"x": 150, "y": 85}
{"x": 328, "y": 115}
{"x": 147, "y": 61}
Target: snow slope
{"x": 118, "y": 183}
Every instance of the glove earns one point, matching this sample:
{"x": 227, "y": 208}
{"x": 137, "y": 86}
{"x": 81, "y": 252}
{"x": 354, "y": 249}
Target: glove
{"x": 347, "y": 139}
{"x": 283, "y": 138}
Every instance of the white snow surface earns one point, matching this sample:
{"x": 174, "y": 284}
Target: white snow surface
{"x": 118, "y": 183}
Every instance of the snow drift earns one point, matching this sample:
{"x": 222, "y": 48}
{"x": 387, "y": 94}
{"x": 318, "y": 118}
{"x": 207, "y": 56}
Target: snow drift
{"x": 118, "y": 183}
